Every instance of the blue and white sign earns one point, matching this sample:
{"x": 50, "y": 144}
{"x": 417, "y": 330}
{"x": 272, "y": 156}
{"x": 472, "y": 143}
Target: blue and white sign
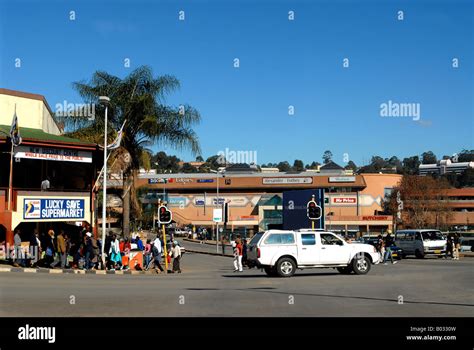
{"x": 177, "y": 201}
{"x": 205, "y": 180}
{"x": 157, "y": 181}
{"x": 52, "y": 208}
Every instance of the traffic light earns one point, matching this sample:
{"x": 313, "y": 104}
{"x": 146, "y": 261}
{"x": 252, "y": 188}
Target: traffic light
{"x": 226, "y": 212}
{"x": 313, "y": 210}
{"x": 164, "y": 215}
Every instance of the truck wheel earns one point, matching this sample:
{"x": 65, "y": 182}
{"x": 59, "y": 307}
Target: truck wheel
{"x": 270, "y": 271}
{"x": 419, "y": 254}
{"x": 361, "y": 265}
{"x": 285, "y": 267}
{"x": 345, "y": 270}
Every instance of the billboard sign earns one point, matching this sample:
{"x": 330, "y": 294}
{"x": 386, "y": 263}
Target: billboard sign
{"x": 53, "y": 209}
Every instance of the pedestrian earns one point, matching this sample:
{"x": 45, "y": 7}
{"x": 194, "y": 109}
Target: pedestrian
{"x": 223, "y": 244}
{"x": 19, "y": 260}
{"x": 108, "y": 240}
{"x": 147, "y": 253}
{"x": 456, "y": 246}
{"x": 88, "y": 251}
{"x": 114, "y": 253}
{"x": 139, "y": 242}
{"x": 244, "y": 253}
{"x": 35, "y": 248}
{"x": 379, "y": 247}
{"x": 50, "y": 248}
{"x": 45, "y": 184}
{"x": 175, "y": 253}
{"x": 237, "y": 255}
{"x": 449, "y": 246}
{"x": 157, "y": 251}
{"x": 125, "y": 251}
{"x": 61, "y": 252}
{"x": 96, "y": 246}
{"x": 388, "y": 242}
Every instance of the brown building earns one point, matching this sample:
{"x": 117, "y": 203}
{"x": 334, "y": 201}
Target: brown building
{"x": 352, "y": 202}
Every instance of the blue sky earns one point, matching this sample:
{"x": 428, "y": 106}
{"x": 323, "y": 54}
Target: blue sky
{"x": 282, "y": 63}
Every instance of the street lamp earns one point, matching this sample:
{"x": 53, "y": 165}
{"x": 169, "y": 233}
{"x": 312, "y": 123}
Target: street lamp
{"x": 217, "y": 172}
{"x": 105, "y": 101}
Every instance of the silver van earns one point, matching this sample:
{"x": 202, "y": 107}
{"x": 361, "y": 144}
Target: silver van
{"x": 421, "y": 242}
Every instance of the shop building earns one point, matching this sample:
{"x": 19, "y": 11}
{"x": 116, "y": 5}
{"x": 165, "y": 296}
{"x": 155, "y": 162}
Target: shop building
{"x": 70, "y": 166}
{"x": 255, "y": 199}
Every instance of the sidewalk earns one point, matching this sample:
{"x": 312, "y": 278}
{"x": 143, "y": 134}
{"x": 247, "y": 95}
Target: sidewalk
{"x": 8, "y": 268}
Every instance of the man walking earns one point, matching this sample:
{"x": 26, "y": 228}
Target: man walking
{"x": 61, "y": 251}
{"x": 388, "y": 242}
{"x": 237, "y": 255}
{"x": 156, "y": 250}
{"x": 176, "y": 255}
{"x": 456, "y": 246}
{"x": 19, "y": 260}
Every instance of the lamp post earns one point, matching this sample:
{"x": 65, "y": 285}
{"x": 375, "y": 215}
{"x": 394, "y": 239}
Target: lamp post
{"x": 217, "y": 206}
{"x": 105, "y": 101}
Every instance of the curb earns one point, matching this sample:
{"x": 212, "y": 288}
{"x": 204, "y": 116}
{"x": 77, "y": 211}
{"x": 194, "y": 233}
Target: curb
{"x": 73, "y": 272}
{"x": 201, "y": 242}
{"x": 208, "y": 253}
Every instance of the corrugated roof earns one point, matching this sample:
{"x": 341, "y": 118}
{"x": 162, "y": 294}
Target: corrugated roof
{"x": 40, "y": 135}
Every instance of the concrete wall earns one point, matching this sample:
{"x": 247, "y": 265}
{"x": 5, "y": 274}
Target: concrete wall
{"x": 31, "y": 112}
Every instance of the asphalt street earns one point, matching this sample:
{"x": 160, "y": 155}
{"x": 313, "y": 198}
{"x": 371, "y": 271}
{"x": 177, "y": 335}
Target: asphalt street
{"x": 209, "y": 287}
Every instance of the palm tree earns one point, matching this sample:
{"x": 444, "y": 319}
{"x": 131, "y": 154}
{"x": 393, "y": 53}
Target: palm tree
{"x": 138, "y": 98}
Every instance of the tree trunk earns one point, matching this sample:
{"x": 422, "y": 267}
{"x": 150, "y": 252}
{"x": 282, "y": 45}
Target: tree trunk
{"x": 126, "y": 207}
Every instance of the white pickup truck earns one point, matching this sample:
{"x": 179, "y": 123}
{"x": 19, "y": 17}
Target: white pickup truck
{"x": 281, "y": 252}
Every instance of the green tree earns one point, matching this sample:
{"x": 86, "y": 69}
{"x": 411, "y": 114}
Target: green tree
{"x": 188, "y": 168}
{"x": 298, "y": 165}
{"x": 284, "y": 166}
{"x": 327, "y": 157}
{"x": 199, "y": 159}
{"x": 138, "y": 99}
{"x": 466, "y": 155}
{"x": 351, "y": 166}
{"x": 216, "y": 161}
{"x": 428, "y": 158}
{"x": 411, "y": 165}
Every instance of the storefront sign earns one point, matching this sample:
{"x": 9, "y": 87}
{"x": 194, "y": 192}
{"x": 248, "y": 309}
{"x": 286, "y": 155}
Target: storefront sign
{"x": 58, "y": 154}
{"x": 374, "y": 218}
{"x": 51, "y": 208}
{"x": 344, "y": 200}
{"x": 177, "y": 201}
{"x": 217, "y": 215}
{"x": 157, "y": 181}
{"x": 205, "y": 180}
{"x": 183, "y": 180}
{"x": 342, "y": 179}
{"x": 287, "y": 180}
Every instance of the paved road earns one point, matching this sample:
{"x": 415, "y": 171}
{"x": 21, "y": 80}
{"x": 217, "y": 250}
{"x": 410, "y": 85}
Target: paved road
{"x": 208, "y": 287}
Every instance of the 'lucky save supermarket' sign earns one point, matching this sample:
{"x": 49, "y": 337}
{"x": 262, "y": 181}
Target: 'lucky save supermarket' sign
{"x": 53, "y": 208}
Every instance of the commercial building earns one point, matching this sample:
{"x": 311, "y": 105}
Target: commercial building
{"x": 255, "y": 199}
{"x": 445, "y": 166}
{"x": 68, "y": 164}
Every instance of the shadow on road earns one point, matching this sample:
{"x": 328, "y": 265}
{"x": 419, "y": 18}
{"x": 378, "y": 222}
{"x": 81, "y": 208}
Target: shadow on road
{"x": 355, "y": 297}
{"x": 237, "y": 275}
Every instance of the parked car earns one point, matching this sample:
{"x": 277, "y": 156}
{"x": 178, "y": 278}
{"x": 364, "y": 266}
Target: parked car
{"x": 421, "y": 242}
{"x": 467, "y": 244}
{"x": 281, "y": 252}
